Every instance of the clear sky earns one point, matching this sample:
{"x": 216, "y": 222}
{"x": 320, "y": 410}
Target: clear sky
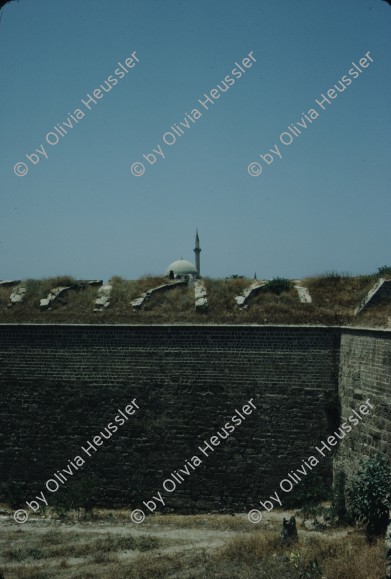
{"x": 325, "y": 205}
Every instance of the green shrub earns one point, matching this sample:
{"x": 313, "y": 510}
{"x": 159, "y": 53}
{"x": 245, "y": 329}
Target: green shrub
{"x": 63, "y": 502}
{"x": 384, "y": 270}
{"x": 369, "y": 495}
{"x": 313, "y": 488}
{"x": 16, "y": 494}
{"x": 77, "y": 495}
{"x": 278, "y": 285}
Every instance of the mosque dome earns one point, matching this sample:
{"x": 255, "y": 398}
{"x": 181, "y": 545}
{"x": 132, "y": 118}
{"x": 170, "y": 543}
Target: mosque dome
{"x": 182, "y": 267}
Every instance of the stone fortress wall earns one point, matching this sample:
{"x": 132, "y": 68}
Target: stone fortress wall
{"x": 365, "y": 372}
{"x": 60, "y": 385}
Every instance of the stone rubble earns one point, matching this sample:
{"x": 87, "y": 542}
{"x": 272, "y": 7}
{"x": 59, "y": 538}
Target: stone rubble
{"x": 18, "y": 295}
{"x": 249, "y": 292}
{"x": 45, "y": 303}
{"x": 55, "y": 293}
{"x": 139, "y": 302}
{"x": 103, "y": 301}
{"x": 200, "y": 296}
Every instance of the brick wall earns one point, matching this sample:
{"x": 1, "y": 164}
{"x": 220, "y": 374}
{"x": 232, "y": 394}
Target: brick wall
{"x": 365, "y": 372}
{"x": 61, "y": 385}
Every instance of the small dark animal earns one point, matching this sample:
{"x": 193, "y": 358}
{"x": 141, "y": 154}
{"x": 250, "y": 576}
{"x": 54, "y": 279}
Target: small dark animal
{"x": 289, "y": 530}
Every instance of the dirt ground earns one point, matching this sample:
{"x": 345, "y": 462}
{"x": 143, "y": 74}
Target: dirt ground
{"x": 110, "y": 545}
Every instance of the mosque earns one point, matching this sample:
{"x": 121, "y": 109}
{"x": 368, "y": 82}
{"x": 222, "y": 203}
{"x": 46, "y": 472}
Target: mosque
{"x": 183, "y": 269}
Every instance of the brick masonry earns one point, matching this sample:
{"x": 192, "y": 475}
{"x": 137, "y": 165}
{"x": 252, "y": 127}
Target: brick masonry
{"x": 365, "y": 372}
{"x": 61, "y": 385}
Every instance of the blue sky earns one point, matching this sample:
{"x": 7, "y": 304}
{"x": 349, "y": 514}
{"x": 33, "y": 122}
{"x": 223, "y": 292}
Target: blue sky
{"x": 324, "y": 206}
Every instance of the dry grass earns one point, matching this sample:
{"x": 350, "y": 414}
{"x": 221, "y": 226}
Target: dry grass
{"x": 5, "y": 293}
{"x": 173, "y": 306}
{"x": 263, "y": 555}
{"x": 91, "y": 552}
{"x": 334, "y": 298}
{"x": 76, "y": 544}
{"x": 216, "y": 522}
{"x": 379, "y": 315}
{"x": 268, "y": 308}
{"x": 345, "y": 292}
{"x": 122, "y": 294}
{"x": 221, "y": 299}
{"x": 63, "y": 551}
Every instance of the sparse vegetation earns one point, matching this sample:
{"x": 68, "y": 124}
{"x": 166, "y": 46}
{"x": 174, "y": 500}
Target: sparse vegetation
{"x": 16, "y": 493}
{"x": 334, "y": 298}
{"x": 369, "y": 495}
{"x": 200, "y": 546}
{"x": 384, "y": 271}
{"x": 79, "y": 496}
{"x": 313, "y": 488}
{"x": 78, "y": 545}
{"x": 264, "y": 557}
{"x": 218, "y": 522}
{"x": 278, "y": 285}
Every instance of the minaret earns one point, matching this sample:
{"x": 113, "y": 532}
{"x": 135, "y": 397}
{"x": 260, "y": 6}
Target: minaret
{"x": 197, "y": 251}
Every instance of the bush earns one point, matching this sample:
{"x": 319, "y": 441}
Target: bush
{"x": 63, "y": 502}
{"x": 278, "y": 285}
{"x": 370, "y": 495}
{"x": 78, "y": 495}
{"x": 312, "y": 489}
{"x": 16, "y": 494}
{"x": 384, "y": 270}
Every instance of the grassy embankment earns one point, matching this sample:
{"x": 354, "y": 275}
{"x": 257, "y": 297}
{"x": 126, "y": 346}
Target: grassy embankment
{"x": 334, "y": 298}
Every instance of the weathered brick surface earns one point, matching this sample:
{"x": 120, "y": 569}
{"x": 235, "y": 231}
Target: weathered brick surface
{"x": 60, "y": 385}
{"x": 365, "y": 372}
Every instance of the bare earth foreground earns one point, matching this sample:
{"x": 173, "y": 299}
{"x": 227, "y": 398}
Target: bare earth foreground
{"x": 110, "y": 545}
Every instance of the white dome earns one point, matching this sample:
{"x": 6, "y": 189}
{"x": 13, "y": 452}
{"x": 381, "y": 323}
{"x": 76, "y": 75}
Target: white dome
{"x": 181, "y": 267}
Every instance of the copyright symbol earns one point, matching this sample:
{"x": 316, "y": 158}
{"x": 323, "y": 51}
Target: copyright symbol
{"x": 21, "y": 516}
{"x": 254, "y": 516}
{"x": 21, "y": 169}
{"x": 137, "y": 169}
{"x": 137, "y": 516}
{"x": 254, "y": 169}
